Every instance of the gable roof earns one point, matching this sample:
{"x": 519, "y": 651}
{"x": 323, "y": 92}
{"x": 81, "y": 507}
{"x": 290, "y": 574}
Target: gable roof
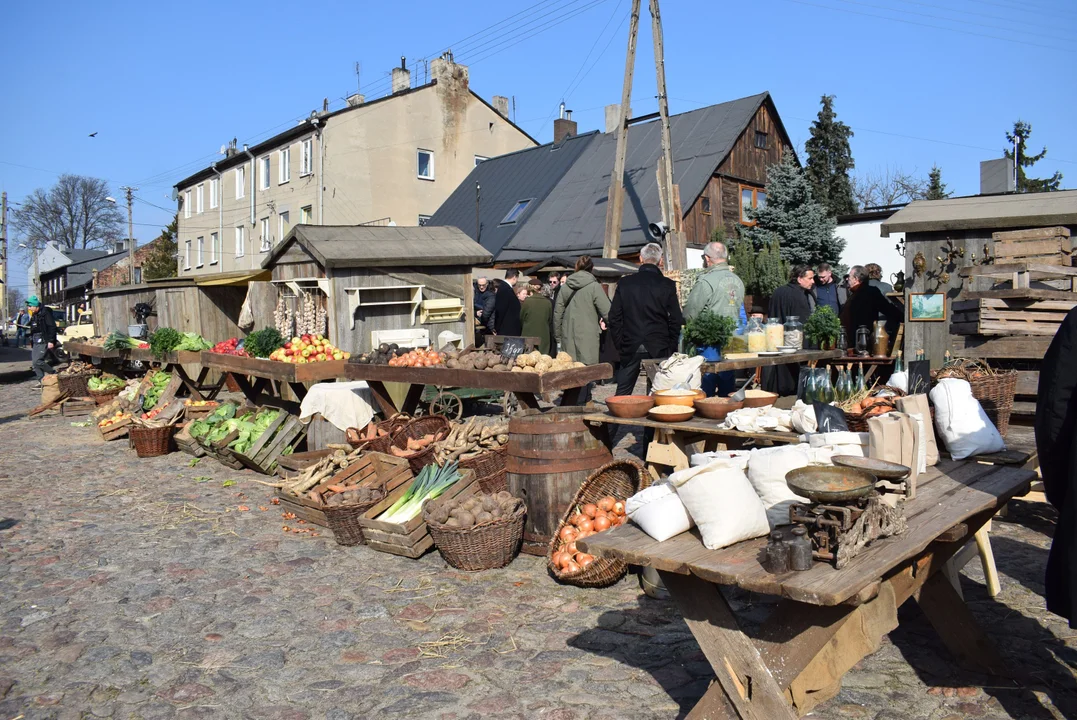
{"x": 81, "y": 273}
{"x": 988, "y": 212}
{"x": 571, "y": 220}
{"x": 335, "y": 246}
{"x": 77, "y": 256}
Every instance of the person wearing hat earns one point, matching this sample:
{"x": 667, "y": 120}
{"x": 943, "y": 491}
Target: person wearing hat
{"x": 42, "y": 338}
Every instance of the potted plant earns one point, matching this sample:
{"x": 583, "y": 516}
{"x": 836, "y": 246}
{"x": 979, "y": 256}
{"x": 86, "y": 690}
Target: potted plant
{"x": 823, "y": 328}
{"x": 708, "y": 332}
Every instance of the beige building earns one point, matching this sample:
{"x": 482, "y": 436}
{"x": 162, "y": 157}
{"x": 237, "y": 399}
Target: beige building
{"x": 392, "y": 160}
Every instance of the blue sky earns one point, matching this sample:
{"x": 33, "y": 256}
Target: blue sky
{"x": 166, "y": 84}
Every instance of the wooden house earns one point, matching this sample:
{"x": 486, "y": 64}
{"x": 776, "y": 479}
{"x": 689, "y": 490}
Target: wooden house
{"x": 368, "y": 280}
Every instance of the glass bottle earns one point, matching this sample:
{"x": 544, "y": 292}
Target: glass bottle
{"x": 899, "y": 366}
{"x": 775, "y": 334}
{"x": 861, "y": 385}
{"x": 826, "y": 394}
{"x": 757, "y": 339}
{"x": 794, "y": 332}
{"x": 843, "y": 391}
{"x": 809, "y": 387}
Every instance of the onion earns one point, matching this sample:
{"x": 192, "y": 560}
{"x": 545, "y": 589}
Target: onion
{"x": 558, "y": 559}
{"x": 590, "y": 509}
{"x": 568, "y": 533}
{"x": 602, "y": 523}
{"x": 606, "y": 503}
{"x": 585, "y": 525}
{"x": 619, "y": 508}
{"x": 584, "y": 534}
{"x": 575, "y": 518}
{"x": 570, "y": 567}
{"x": 583, "y": 559}
{"x": 571, "y": 548}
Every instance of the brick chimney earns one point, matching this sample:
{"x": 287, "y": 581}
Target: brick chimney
{"x": 501, "y": 104}
{"x": 613, "y": 117}
{"x": 564, "y": 127}
{"x": 401, "y": 77}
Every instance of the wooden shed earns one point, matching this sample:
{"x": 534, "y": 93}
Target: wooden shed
{"x": 363, "y": 281}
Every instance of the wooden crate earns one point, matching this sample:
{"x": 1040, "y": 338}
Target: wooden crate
{"x": 374, "y": 469}
{"x": 1009, "y": 316}
{"x": 288, "y": 466}
{"x": 219, "y": 451}
{"x": 115, "y": 431}
{"x": 1048, "y": 246}
{"x": 410, "y": 539}
{"x": 284, "y": 432}
{"x": 77, "y": 407}
{"x": 188, "y": 444}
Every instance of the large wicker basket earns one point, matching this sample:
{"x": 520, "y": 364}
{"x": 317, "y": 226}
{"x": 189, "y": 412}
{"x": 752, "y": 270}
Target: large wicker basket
{"x": 104, "y": 397}
{"x": 76, "y": 385}
{"x": 489, "y": 469}
{"x": 152, "y": 441}
{"x": 382, "y": 442}
{"x": 859, "y": 422}
{"x": 621, "y": 479}
{"x": 493, "y": 484}
{"x": 343, "y": 520}
{"x": 482, "y": 547}
{"x": 995, "y": 393}
{"x": 417, "y": 428}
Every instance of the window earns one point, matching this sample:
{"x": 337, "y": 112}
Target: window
{"x": 516, "y": 212}
{"x": 263, "y": 168}
{"x": 214, "y": 192}
{"x": 284, "y": 165}
{"x": 187, "y": 255}
{"x": 306, "y": 157}
{"x": 479, "y": 159}
{"x": 761, "y": 140}
{"x": 138, "y": 277}
{"x": 705, "y": 205}
{"x": 426, "y": 164}
{"x": 241, "y": 184}
{"x": 187, "y": 204}
{"x": 751, "y": 198}
{"x": 283, "y": 225}
{"x": 200, "y": 198}
{"x": 306, "y": 215}
{"x": 214, "y": 248}
{"x": 201, "y": 248}
{"x": 423, "y": 219}
{"x": 241, "y": 245}
{"x": 266, "y": 240}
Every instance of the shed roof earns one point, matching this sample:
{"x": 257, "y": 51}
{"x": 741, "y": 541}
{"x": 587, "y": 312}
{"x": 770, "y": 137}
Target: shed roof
{"x": 81, "y": 273}
{"x": 990, "y": 212}
{"x": 381, "y": 246}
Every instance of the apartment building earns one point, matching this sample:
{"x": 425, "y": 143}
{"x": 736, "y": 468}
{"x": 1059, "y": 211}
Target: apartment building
{"x": 391, "y": 160}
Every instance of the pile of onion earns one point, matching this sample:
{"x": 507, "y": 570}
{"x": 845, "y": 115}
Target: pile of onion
{"x": 608, "y": 512}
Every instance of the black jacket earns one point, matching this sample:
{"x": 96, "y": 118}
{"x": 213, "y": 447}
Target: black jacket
{"x": 645, "y": 311}
{"x": 1056, "y": 442}
{"x": 506, "y": 310}
{"x": 867, "y": 304}
{"x": 792, "y": 300}
{"x": 44, "y": 324}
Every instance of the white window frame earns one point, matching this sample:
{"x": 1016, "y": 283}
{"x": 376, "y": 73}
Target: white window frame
{"x": 284, "y": 165}
{"x": 214, "y": 247}
{"x": 283, "y": 219}
{"x": 306, "y": 157}
{"x": 186, "y": 204}
{"x": 264, "y": 170}
{"x": 516, "y": 211}
{"x": 306, "y": 215}
{"x": 241, "y": 244}
{"x": 418, "y": 153}
{"x": 266, "y": 241}
{"x": 480, "y": 159}
{"x": 214, "y": 192}
{"x": 201, "y": 250}
{"x": 200, "y": 198}
{"x": 241, "y": 181}
{"x": 187, "y": 255}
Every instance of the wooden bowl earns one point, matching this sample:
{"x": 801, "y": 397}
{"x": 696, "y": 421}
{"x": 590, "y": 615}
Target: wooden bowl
{"x": 663, "y": 397}
{"x": 716, "y": 408}
{"x": 759, "y": 400}
{"x": 671, "y": 416}
{"x": 629, "y": 406}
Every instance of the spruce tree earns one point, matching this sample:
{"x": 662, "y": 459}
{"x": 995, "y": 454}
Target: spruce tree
{"x": 160, "y": 262}
{"x": 829, "y": 161}
{"x": 792, "y": 220}
{"x": 936, "y": 188}
{"x": 1021, "y": 131}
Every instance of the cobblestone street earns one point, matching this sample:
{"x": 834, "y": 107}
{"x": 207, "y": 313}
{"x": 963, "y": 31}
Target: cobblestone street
{"x": 142, "y": 589}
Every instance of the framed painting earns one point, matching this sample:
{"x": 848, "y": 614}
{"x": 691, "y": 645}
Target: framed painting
{"x": 927, "y": 307}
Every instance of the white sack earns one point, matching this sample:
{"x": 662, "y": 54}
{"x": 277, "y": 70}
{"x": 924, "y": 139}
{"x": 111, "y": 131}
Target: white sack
{"x": 736, "y": 458}
{"x": 961, "y": 422}
{"x": 899, "y": 380}
{"x": 659, "y": 512}
{"x": 837, "y": 438}
{"x": 767, "y": 468}
{"x": 803, "y": 418}
{"x": 676, "y": 370}
{"x": 721, "y": 501}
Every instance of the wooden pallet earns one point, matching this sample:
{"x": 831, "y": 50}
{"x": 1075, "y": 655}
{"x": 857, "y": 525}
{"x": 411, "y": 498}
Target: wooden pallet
{"x": 77, "y": 407}
{"x": 373, "y": 469}
{"x": 1010, "y": 316}
{"x": 284, "y": 432}
{"x": 1049, "y": 246}
{"x": 188, "y": 444}
{"x": 410, "y": 539}
{"x": 1022, "y": 274}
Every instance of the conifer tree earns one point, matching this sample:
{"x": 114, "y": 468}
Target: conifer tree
{"x": 830, "y": 160}
{"x": 936, "y": 188}
{"x": 1021, "y": 131}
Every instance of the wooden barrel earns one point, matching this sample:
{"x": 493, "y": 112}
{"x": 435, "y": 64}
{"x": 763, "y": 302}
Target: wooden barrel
{"x": 549, "y": 455}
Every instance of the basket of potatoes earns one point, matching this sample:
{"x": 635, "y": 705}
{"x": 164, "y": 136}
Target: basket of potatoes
{"x": 480, "y": 532}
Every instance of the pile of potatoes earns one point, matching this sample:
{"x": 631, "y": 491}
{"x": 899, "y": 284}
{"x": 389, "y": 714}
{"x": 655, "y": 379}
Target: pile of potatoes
{"x": 476, "y": 360}
{"x": 536, "y": 362}
{"x": 475, "y": 510}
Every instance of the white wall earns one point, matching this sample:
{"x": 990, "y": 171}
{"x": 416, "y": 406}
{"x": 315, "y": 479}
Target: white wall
{"x": 864, "y": 244}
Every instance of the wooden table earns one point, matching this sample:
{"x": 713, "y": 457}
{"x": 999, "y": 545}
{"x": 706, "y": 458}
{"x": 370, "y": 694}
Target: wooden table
{"x": 172, "y": 362}
{"x": 669, "y": 447}
{"x": 827, "y": 619}
{"x": 256, "y": 376}
{"x": 804, "y": 356}
{"x": 526, "y": 386}
{"x": 91, "y": 351}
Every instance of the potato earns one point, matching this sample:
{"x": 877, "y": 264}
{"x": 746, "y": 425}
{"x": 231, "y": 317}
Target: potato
{"x": 465, "y": 519}
{"x": 453, "y": 522}
{"x": 504, "y": 495}
{"x": 452, "y": 364}
{"x": 441, "y": 515}
{"x": 480, "y": 362}
{"x": 483, "y": 517}
{"x": 517, "y": 368}
{"x": 489, "y": 503}
{"x": 564, "y": 357}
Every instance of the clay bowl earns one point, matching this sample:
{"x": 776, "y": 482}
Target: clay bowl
{"x": 629, "y": 406}
{"x": 716, "y": 408}
{"x": 670, "y": 413}
{"x": 667, "y": 397}
{"x": 758, "y": 401}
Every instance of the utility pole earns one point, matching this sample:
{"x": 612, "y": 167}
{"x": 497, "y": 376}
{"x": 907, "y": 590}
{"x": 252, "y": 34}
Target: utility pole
{"x": 616, "y": 201}
{"x": 129, "y": 192}
{"x": 675, "y": 249}
{"x": 3, "y": 259}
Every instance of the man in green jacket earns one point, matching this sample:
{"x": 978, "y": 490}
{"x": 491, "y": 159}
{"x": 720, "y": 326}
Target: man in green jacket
{"x": 719, "y": 290}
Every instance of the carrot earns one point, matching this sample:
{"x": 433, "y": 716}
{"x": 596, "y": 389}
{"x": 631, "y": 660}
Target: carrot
{"x": 337, "y": 488}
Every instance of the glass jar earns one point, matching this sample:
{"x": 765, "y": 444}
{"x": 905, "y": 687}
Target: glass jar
{"x": 775, "y": 334}
{"x": 757, "y": 337}
{"x": 794, "y": 332}
{"x": 881, "y": 346}
{"x": 863, "y": 341}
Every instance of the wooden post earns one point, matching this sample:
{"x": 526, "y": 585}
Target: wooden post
{"x": 469, "y": 310}
{"x": 675, "y": 239}
{"x": 615, "y": 202}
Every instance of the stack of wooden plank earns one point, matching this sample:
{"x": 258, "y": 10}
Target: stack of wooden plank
{"x": 1045, "y": 246}
{"x": 1009, "y": 316}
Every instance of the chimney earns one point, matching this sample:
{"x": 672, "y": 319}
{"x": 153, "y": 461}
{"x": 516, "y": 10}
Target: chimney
{"x": 501, "y": 104}
{"x": 401, "y": 77}
{"x": 356, "y": 100}
{"x": 996, "y": 176}
{"x": 613, "y": 117}
{"x": 564, "y": 127}
{"x": 452, "y": 78}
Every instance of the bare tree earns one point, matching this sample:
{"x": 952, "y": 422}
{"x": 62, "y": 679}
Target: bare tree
{"x": 888, "y": 187}
{"x": 75, "y": 213}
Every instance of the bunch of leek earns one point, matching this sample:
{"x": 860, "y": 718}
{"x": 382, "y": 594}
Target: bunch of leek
{"x": 431, "y": 483}
{"x": 121, "y": 341}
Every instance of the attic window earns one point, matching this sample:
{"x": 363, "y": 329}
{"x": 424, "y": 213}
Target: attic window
{"x": 516, "y": 212}
{"x": 761, "y": 140}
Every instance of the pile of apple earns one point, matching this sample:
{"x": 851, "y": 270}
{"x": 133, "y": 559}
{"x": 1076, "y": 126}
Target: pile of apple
{"x": 308, "y": 349}
{"x": 229, "y": 347}
{"x": 114, "y": 419}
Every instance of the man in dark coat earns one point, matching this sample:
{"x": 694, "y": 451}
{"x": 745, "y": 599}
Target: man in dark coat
{"x": 866, "y": 304}
{"x": 1056, "y": 442}
{"x": 42, "y": 338}
{"x": 507, "y": 306}
{"x": 794, "y": 299}
{"x": 645, "y": 317}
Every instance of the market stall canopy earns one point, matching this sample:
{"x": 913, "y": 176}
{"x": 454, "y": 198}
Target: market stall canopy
{"x": 341, "y": 246}
{"x": 992, "y": 212}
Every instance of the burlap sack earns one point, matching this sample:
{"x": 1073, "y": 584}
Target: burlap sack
{"x": 918, "y": 405}
{"x": 50, "y": 389}
{"x": 895, "y": 437}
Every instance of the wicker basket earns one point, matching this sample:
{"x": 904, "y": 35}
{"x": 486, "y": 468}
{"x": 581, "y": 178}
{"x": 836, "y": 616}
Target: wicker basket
{"x": 490, "y": 462}
{"x": 995, "y": 393}
{"x": 493, "y": 484}
{"x": 75, "y": 385}
{"x": 621, "y": 479}
{"x": 483, "y": 547}
{"x": 859, "y": 422}
{"x": 417, "y": 428}
{"x": 343, "y": 520}
{"x": 152, "y": 441}
{"x": 381, "y": 443}
{"x": 104, "y": 397}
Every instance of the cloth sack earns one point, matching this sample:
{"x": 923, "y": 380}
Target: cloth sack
{"x": 899, "y": 380}
{"x": 961, "y": 421}
{"x": 767, "y": 468}
{"x": 659, "y": 512}
{"x": 836, "y": 438}
{"x": 918, "y": 405}
{"x": 895, "y": 437}
{"x": 344, "y": 404}
{"x": 50, "y": 389}
{"x": 679, "y": 369}
{"x": 802, "y": 418}
{"x": 722, "y": 503}
{"x": 822, "y": 447}
{"x": 738, "y": 458}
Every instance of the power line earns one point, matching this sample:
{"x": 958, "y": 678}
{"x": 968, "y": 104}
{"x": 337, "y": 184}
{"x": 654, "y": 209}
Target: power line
{"x": 952, "y": 20}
